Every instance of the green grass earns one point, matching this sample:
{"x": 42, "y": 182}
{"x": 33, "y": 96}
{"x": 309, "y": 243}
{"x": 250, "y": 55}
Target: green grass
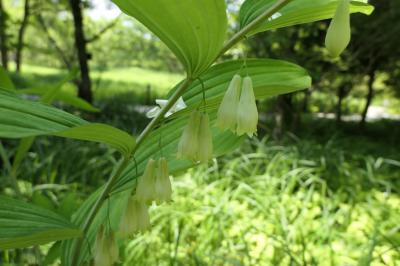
{"x": 293, "y": 203}
{"x": 106, "y": 84}
{"x": 320, "y": 197}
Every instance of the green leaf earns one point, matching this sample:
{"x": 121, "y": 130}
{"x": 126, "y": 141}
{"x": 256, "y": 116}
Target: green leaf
{"x": 194, "y": 30}
{"x": 51, "y": 93}
{"x": 296, "y": 12}
{"x": 42, "y": 201}
{"x": 53, "y": 254}
{"x": 20, "y": 118}
{"x": 116, "y": 138}
{"x": 5, "y": 81}
{"x": 270, "y": 77}
{"x": 62, "y": 96}
{"x": 68, "y": 205}
{"x": 24, "y": 225}
{"x": 23, "y": 147}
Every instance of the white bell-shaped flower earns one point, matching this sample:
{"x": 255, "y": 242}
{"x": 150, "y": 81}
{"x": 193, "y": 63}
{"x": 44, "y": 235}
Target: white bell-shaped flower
{"x": 136, "y": 218}
{"x": 339, "y": 32}
{"x": 188, "y": 143}
{"x": 163, "y": 183}
{"x": 227, "y": 112}
{"x": 106, "y": 251}
{"x": 205, "y": 148}
{"x": 145, "y": 190}
{"x": 247, "y": 114}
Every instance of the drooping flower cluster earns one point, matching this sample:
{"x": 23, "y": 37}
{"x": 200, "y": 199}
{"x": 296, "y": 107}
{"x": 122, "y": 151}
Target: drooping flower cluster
{"x": 153, "y": 185}
{"x": 339, "y": 32}
{"x": 106, "y": 251}
{"x": 196, "y": 141}
{"x": 238, "y": 109}
{"x": 136, "y": 217}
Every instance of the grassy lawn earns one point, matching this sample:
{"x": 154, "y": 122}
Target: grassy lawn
{"x": 108, "y": 83}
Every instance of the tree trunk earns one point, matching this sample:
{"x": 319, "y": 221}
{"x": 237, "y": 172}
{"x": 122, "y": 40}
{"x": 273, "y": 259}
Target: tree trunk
{"x": 369, "y": 98}
{"x": 307, "y": 95}
{"x": 84, "y": 85}
{"x": 284, "y": 118}
{"x": 3, "y": 36}
{"x": 21, "y": 32}
{"x": 340, "y": 94}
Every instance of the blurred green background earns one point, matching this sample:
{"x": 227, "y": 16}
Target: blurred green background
{"x": 320, "y": 185}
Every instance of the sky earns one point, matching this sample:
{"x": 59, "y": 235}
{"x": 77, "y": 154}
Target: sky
{"x": 103, "y": 9}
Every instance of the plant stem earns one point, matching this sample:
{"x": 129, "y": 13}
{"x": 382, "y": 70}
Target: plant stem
{"x": 96, "y": 207}
{"x": 174, "y": 98}
{"x": 107, "y": 189}
{"x": 252, "y": 25}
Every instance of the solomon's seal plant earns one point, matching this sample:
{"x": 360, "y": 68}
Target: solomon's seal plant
{"x": 213, "y": 93}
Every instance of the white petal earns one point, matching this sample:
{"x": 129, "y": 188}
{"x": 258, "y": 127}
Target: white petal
{"x": 180, "y": 104}
{"x": 153, "y": 112}
{"x": 161, "y": 102}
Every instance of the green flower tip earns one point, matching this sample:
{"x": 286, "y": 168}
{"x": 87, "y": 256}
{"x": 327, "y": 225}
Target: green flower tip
{"x": 106, "y": 251}
{"x": 339, "y": 32}
{"x": 238, "y": 109}
{"x": 196, "y": 141}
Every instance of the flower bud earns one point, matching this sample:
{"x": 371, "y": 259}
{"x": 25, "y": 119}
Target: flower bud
{"x": 106, "y": 251}
{"x": 339, "y": 32}
{"x": 247, "y": 114}
{"x": 227, "y": 112}
{"x": 163, "y": 183}
{"x": 188, "y": 144}
{"x": 136, "y": 217}
{"x": 145, "y": 190}
{"x": 205, "y": 149}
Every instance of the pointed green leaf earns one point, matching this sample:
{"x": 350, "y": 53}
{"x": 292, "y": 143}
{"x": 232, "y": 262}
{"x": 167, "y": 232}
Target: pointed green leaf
{"x": 20, "y": 118}
{"x": 116, "y": 138}
{"x": 296, "y": 12}
{"x": 62, "y": 96}
{"x": 23, "y": 225}
{"x": 194, "y": 30}
{"x": 51, "y": 93}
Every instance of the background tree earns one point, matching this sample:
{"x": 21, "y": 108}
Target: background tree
{"x": 302, "y": 45}
{"x": 375, "y": 46}
{"x": 21, "y": 34}
{"x": 3, "y": 35}
{"x": 84, "y": 84}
